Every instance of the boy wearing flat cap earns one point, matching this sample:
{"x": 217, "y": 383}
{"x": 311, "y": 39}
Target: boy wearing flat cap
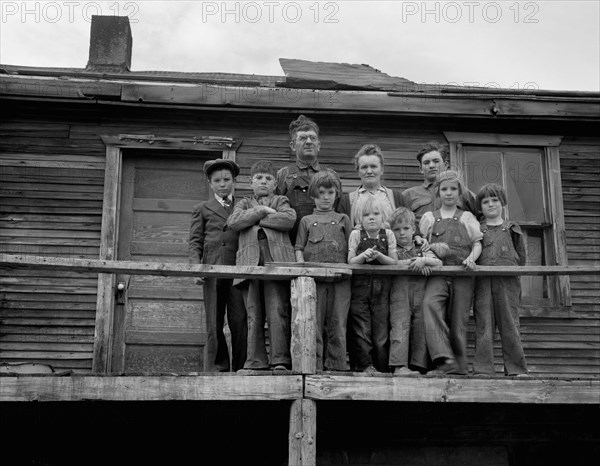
{"x": 212, "y": 242}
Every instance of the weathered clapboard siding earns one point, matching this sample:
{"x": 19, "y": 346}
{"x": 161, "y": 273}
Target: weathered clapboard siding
{"x": 58, "y": 139}
{"x": 51, "y": 206}
{"x": 580, "y": 172}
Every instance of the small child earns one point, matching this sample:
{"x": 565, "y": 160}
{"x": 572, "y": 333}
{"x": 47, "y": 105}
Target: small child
{"x": 370, "y": 304}
{"x": 323, "y": 237}
{"x": 263, "y": 221}
{"x": 406, "y": 298}
{"x": 210, "y": 242}
{"x": 497, "y": 298}
{"x": 448, "y": 299}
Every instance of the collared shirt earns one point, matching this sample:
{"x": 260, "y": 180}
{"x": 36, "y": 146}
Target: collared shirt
{"x": 304, "y": 170}
{"x": 363, "y": 194}
{"x": 304, "y": 166}
{"x": 221, "y": 200}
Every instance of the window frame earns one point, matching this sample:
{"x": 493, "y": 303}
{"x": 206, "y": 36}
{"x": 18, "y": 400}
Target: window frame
{"x": 559, "y": 292}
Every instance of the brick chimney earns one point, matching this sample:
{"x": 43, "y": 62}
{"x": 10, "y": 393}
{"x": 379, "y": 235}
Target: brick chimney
{"x": 110, "y": 44}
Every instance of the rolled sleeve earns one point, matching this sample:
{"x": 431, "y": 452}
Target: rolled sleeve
{"x": 472, "y": 226}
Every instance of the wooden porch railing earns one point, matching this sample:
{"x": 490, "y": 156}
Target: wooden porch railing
{"x": 304, "y": 387}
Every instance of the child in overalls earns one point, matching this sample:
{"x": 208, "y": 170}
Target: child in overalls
{"x": 323, "y": 237}
{"x": 370, "y": 304}
{"x": 406, "y": 298}
{"x": 448, "y": 299}
{"x": 497, "y": 298}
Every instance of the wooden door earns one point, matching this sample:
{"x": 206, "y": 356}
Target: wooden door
{"x": 159, "y": 321}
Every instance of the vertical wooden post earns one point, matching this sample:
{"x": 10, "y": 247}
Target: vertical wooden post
{"x": 562, "y": 290}
{"x": 303, "y": 433}
{"x": 304, "y": 313}
{"x": 108, "y": 244}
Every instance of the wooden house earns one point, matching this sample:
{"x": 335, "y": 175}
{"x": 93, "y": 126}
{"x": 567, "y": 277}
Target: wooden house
{"x": 100, "y": 168}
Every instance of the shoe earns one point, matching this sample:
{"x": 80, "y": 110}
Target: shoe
{"x": 449, "y": 366}
{"x": 521, "y": 376}
{"x": 370, "y": 370}
{"x": 404, "y": 371}
{"x": 280, "y": 368}
{"x": 482, "y": 375}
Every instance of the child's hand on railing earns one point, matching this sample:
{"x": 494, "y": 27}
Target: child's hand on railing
{"x": 469, "y": 263}
{"x": 370, "y": 254}
{"x": 417, "y": 264}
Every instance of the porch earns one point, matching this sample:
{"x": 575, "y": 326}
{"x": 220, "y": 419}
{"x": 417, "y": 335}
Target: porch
{"x": 303, "y": 391}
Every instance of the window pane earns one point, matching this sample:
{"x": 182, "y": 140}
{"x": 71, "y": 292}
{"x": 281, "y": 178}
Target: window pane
{"x": 534, "y": 287}
{"x": 524, "y": 186}
{"x": 482, "y": 167}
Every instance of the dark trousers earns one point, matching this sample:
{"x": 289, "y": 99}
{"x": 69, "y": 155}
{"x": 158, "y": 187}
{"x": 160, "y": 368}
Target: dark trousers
{"x": 333, "y": 304}
{"x": 446, "y": 308}
{"x": 369, "y": 322}
{"x": 496, "y": 303}
{"x": 220, "y": 297}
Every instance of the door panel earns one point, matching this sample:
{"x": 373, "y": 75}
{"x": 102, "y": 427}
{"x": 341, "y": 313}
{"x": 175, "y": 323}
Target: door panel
{"x": 159, "y": 326}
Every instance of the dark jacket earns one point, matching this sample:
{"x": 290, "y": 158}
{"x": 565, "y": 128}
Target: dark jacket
{"x": 211, "y": 241}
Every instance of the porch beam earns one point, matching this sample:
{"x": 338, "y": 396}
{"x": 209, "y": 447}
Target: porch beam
{"x": 453, "y": 389}
{"x": 222, "y": 387}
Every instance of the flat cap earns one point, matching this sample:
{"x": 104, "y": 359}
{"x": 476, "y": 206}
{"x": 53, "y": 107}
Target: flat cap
{"x": 221, "y": 164}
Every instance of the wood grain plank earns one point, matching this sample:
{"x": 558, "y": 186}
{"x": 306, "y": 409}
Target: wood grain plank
{"x": 459, "y": 390}
{"x": 108, "y": 251}
{"x": 166, "y": 269}
{"x": 304, "y": 325}
{"x": 355, "y": 101}
{"x": 302, "y": 449}
{"x": 149, "y": 388}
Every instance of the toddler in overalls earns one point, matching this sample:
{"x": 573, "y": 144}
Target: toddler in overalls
{"x": 497, "y": 298}
{"x": 369, "y": 317}
{"x": 323, "y": 237}
{"x": 448, "y": 299}
{"x": 407, "y": 333}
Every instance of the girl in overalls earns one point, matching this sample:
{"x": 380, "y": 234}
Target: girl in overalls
{"x": 448, "y": 299}
{"x": 497, "y": 298}
{"x": 373, "y": 244}
{"x": 323, "y": 237}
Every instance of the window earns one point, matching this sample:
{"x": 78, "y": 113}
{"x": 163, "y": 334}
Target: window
{"x": 529, "y": 170}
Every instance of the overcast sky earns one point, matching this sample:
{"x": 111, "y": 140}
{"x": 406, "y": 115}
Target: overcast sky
{"x": 541, "y": 44}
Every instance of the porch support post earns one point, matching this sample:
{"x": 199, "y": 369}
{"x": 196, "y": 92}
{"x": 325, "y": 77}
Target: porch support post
{"x": 303, "y": 433}
{"x": 108, "y": 245}
{"x": 304, "y": 315}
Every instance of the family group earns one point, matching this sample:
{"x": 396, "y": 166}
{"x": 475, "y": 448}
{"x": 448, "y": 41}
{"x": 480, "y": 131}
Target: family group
{"x": 404, "y": 324}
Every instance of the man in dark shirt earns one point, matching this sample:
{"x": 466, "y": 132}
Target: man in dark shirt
{"x": 293, "y": 179}
{"x": 433, "y": 159}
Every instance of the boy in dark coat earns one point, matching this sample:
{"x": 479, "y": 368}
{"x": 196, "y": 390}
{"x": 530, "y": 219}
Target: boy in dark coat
{"x": 212, "y": 242}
